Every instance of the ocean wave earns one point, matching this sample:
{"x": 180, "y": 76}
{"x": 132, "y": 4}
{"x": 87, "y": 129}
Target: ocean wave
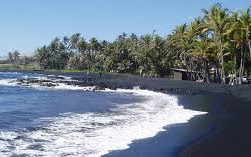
{"x": 12, "y": 73}
{"x": 44, "y": 82}
{"x": 96, "y": 134}
{"x": 8, "y": 82}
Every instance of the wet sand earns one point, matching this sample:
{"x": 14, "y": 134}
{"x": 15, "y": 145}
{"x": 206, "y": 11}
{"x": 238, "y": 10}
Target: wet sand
{"x": 231, "y": 137}
{"x": 178, "y": 136}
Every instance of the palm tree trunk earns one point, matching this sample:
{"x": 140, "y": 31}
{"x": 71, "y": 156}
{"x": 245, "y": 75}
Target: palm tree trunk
{"x": 241, "y": 66}
{"x": 232, "y": 78}
{"x": 204, "y": 71}
{"x": 232, "y": 71}
{"x": 187, "y": 73}
{"x": 217, "y": 72}
{"x": 191, "y": 69}
{"x": 244, "y": 60}
{"x": 187, "y": 67}
{"x": 222, "y": 63}
{"x": 194, "y": 70}
{"x": 208, "y": 72}
{"x": 249, "y": 47}
{"x": 235, "y": 72}
{"x": 248, "y": 40}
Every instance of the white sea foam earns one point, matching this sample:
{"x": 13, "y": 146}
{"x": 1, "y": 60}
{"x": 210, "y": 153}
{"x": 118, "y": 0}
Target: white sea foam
{"x": 12, "y": 73}
{"x": 65, "y": 77}
{"x": 43, "y": 85}
{"x": 96, "y": 134}
{"x": 8, "y": 82}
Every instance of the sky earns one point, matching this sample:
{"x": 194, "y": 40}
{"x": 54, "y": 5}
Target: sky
{"x": 28, "y": 24}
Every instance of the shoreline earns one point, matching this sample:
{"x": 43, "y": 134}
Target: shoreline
{"x": 128, "y": 81}
{"x": 231, "y": 136}
{"x": 236, "y": 100}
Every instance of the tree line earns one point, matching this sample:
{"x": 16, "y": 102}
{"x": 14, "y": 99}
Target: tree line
{"x": 147, "y": 54}
{"x": 217, "y": 42}
{"x": 16, "y": 59}
{"x": 215, "y": 47}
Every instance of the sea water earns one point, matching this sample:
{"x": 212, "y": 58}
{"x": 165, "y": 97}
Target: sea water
{"x": 66, "y": 120}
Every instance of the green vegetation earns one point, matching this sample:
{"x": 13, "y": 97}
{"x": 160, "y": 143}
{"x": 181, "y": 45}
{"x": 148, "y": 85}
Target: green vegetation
{"x": 8, "y": 66}
{"x": 15, "y": 61}
{"x": 132, "y": 54}
{"x": 212, "y": 47}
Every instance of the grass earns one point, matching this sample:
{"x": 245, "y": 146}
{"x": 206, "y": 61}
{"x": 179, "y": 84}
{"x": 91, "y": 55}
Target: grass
{"x": 8, "y": 67}
{"x": 32, "y": 67}
{"x": 81, "y": 71}
{"x": 16, "y": 67}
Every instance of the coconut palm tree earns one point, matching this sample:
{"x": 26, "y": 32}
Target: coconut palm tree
{"x": 81, "y": 45}
{"x": 16, "y": 56}
{"x": 244, "y": 24}
{"x": 190, "y": 37}
{"x": 203, "y": 55}
{"x": 217, "y": 21}
{"x": 238, "y": 33}
{"x": 74, "y": 39}
{"x": 132, "y": 49}
{"x": 10, "y": 57}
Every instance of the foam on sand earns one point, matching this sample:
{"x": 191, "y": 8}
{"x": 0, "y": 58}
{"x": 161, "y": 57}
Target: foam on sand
{"x": 96, "y": 134}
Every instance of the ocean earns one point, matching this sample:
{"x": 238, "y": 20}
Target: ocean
{"x": 66, "y": 120}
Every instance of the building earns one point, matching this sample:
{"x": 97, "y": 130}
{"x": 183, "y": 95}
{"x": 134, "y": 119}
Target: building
{"x": 179, "y": 74}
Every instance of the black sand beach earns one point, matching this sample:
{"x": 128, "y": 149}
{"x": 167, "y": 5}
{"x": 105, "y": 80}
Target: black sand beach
{"x": 231, "y": 137}
{"x": 224, "y": 131}
{"x": 178, "y": 136}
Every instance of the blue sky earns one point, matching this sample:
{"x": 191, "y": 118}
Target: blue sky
{"x": 28, "y": 24}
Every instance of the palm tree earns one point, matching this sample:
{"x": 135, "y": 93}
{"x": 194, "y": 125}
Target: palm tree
{"x": 81, "y": 45}
{"x": 10, "y": 57}
{"x": 238, "y": 34}
{"x": 244, "y": 24}
{"x": 66, "y": 42}
{"x": 74, "y": 39}
{"x": 203, "y": 55}
{"x": 177, "y": 41}
{"x": 132, "y": 49}
{"x": 93, "y": 47}
{"x": 218, "y": 22}
{"x": 143, "y": 54}
{"x": 16, "y": 56}
{"x": 190, "y": 37}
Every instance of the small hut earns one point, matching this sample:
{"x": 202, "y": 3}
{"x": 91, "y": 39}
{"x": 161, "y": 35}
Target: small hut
{"x": 179, "y": 74}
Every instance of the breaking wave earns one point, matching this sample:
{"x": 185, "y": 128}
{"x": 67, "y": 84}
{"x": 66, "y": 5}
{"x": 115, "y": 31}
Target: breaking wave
{"x": 96, "y": 134}
{"x": 50, "y": 82}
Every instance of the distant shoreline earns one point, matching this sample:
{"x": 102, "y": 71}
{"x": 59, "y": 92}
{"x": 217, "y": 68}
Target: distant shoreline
{"x": 119, "y": 80}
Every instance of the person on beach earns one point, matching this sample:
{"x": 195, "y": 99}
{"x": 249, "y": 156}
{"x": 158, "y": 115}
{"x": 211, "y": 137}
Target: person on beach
{"x": 99, "y": 69}
{"x": 140, "y": 72}
{"x": 88, "y": 78}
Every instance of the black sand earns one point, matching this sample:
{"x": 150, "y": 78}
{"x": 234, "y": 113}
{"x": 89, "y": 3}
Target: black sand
{"x": 177, "y": 136}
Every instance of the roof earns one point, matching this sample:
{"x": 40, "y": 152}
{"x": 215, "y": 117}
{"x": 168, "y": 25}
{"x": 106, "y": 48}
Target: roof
{"x": 184, "y": 70}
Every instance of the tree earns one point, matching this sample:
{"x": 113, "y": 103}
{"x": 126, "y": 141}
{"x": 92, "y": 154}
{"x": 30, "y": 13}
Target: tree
{"x": 10, "y": 57}
{"x": 16, "y": 56}
{"x": 216, "y": 42}
{"x": 217, "y": 20}
{"x": 74, "y": 39}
